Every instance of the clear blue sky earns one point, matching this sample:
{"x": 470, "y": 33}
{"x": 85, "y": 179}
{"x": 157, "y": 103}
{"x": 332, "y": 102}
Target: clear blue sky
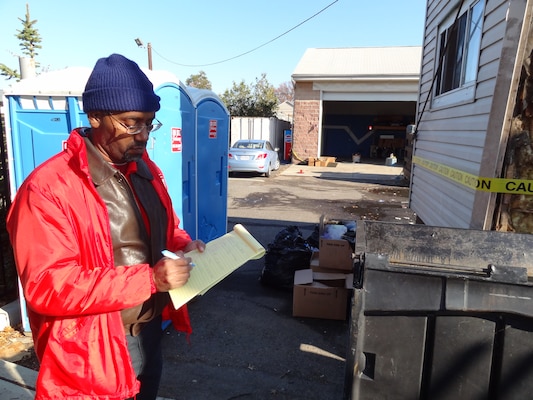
{"x": 192, "y": 35}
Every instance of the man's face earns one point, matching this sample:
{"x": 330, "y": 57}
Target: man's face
{"x": 110, "y": 134}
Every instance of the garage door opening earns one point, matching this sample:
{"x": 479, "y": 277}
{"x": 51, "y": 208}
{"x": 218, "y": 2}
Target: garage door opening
{"x": 372, "y": 130}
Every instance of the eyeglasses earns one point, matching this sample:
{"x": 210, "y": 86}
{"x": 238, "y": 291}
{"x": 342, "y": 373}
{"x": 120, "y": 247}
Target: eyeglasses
{"x": 136, "y": 129}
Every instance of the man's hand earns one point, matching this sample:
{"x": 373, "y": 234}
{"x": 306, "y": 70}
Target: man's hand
{"x": 171, "y": 274}
{"x": 195, "y": 245}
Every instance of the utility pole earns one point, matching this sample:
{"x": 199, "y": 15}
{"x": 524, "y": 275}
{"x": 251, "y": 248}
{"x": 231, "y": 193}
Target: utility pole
{"x": 139, "y": 43}
{"x": 149, "y": 56}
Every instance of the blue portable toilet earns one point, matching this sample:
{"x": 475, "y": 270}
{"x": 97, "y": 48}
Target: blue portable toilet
{"x": 42, "y": 111}
{"x": 166, "y": 145}
{"x": 211, "y": 151}
{"x": 193, "y": 157}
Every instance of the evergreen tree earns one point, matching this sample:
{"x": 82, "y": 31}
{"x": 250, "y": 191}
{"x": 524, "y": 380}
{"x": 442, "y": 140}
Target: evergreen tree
{"x": 238, "y": 99}
{"x": 255, "y": 100}
{"x": 30, "y": 40}
{"x": 265, "y": 98}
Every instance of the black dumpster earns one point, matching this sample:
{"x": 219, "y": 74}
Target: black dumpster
{"x": 440, "y": 313}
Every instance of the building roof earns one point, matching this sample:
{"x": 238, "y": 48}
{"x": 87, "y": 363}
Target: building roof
{"x": 359, "y": 63}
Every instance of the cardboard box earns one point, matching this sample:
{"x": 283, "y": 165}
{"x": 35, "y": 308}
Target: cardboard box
{"x": 324, "y": 161}
{"x": 314, "y": 263}
{"x": 328, "y": 160}
{"x": 316, "y": 267}
{"x": 337, "y": 254}
{"x": 321, "y": 295}
{"x": 311, "y": 161}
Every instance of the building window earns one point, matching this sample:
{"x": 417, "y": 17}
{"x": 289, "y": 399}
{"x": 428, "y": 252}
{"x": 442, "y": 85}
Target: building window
{"x": 459, "y": 48}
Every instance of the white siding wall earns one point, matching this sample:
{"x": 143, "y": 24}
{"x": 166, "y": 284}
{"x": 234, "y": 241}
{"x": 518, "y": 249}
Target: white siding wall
{"x": 454, "y": 135}
{"x": 270, "y": 129}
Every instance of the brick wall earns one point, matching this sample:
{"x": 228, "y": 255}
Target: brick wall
{"x": 306, "y": 122}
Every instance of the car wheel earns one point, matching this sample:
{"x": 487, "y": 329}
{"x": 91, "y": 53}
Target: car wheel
{"x": 268, "y": 171}
{"x": 277, "y": 165}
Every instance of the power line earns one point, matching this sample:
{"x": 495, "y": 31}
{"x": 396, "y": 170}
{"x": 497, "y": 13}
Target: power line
{"x": 249, "y": 51}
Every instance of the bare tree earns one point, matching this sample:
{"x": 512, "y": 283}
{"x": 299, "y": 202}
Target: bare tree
{"x": 199, "y": 81}
{"x": 285, "y": 92}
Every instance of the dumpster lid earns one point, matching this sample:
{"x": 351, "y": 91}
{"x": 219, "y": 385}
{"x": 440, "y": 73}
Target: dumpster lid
{"x": 441, "y": 246}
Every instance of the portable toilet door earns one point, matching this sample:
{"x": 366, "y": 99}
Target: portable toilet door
{"x": 212, "y": 145}
{"x": 38, "y": 127}
{"x": 41, "y": 113}
{"x": 166, "y": 148}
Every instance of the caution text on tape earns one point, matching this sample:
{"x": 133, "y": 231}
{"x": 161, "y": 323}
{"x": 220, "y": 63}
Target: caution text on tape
{"x": 495, "y": 185}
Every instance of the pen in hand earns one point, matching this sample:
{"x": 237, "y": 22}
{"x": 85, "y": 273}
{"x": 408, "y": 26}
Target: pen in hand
{"x": 169, "y": 254}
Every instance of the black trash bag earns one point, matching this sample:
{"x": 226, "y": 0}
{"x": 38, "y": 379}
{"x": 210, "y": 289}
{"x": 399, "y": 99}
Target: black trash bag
{"x": 313, "y": 239}
{"x": 288, "y": 253}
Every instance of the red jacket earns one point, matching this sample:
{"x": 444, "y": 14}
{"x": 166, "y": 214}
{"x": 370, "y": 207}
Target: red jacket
{"x": 59, "y": 229}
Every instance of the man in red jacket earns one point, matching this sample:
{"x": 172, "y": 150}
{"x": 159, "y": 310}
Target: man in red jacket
{"x": 87, "y": 228}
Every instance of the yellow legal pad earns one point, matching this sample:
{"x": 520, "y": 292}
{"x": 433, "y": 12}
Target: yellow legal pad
{"x": 221, "y": 257}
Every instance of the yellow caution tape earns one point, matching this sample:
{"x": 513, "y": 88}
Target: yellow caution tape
{"x": 494, "y": 185}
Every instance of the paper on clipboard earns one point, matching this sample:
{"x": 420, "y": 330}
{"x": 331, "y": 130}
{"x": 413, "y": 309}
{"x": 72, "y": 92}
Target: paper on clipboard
{"x": 220, "y": 258}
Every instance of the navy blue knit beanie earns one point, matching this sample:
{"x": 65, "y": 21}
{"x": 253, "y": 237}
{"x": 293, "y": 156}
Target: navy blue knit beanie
{"x": 118, "y": 84}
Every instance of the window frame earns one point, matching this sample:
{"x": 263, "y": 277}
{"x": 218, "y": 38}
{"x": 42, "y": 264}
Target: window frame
{"x": 456, "y": 83}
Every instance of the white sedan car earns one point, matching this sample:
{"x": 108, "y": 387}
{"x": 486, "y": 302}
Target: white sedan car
{"x": 253, "y": 156}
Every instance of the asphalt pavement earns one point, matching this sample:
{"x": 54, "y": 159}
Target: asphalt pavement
{"x": 246, "y": 344}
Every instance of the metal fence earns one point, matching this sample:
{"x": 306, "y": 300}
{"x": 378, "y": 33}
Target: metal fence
{"x": 8, "y": 272}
